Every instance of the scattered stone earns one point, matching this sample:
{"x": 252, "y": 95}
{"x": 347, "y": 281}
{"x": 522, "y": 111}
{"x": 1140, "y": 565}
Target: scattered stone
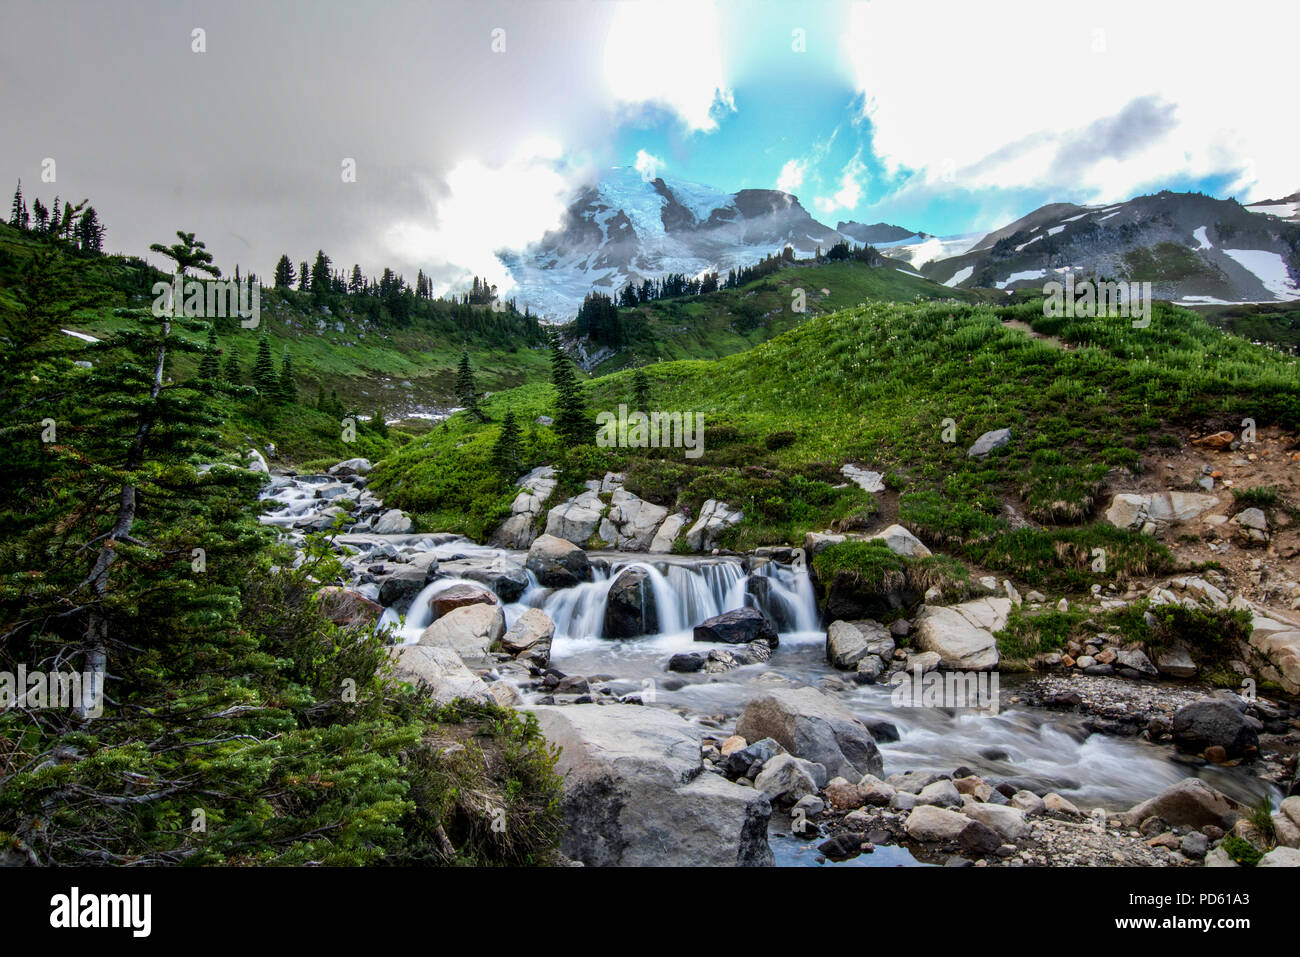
{"x": 988, "y": 442}
{"x": 812, "y": 724}
{"x": 785, "y": 779}
{"x": 929, "y": 823}
{"x": 460, "y": 595}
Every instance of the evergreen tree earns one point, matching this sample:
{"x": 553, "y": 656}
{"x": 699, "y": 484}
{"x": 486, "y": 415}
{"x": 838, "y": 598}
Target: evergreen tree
{"x": 209, "y": 367}
{"x": 288, "y": 391}
{"x": 264, "y": 377}
{"x": 18, "y": 212}
{"x": 304, "y": 276}
{"x": 188, "y": 254}
{"x": 232, "y": 373}
{"x": 570, "y": 409}
{"x": 465, "y": 388}
{"x": 42, "y": 217}
{"x": 284, "y": 273}
{"x": 144, "y": 446}
{"x": 320, "y": 274}
{"x": 356, "y": 283}
{"x": 641, "y": 387}
{"x": 507, "y": 455}
{"x": 89, "y": 231}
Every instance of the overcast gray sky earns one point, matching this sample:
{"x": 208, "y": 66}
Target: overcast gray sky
{"x": 244, "y": 143}
{"x": 943, "y": 115}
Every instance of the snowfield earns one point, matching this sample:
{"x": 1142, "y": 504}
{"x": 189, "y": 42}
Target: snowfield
{"x": 1270, "y": 269}
{"x": 1022, "y": 277}
{"x": 960, "y": 276}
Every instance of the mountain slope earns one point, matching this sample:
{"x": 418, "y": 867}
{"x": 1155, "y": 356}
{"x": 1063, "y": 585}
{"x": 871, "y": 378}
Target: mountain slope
{"x": 1191, "y": 247}
{"x": 874, "y": 385}
{"x": 629, "y": 229}
{"x": 731, "y": 320}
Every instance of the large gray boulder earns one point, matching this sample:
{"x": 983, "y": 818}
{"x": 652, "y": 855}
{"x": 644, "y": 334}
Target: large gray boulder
{"x": 811, "y": 724}
{"x": 576, "y": 519}
{"x": 441, "y": 670}
{"x": 630, "y": 609}
{"x": 506, "y": 578}
{"x": 848, "y": 642}
{"x": 1203, "y": 724}
{"x": 392, "y": 522}
{"x": 460, "y": 595}
{"x": 1133, "y": 509}
{"x": 470, "y": 631}
{"x": 529, "y": 638}
{"x": 631, "y": 522}
{"x": 519, "y": 530}
{"x": 1282, "y": 649}
{"x": 1280, "y": 857}
{"x": 358, "y": 466}
{"x": 398, "y": 590}
{"x": 635, "y": 792}
{"x": 558, "y": 563}
{"x": 1008, "y": 821}
{"x": 1189, "y": 803}
{"x": 930, "y": 823}
{"x": 902, "y": 542}
{"x": 715, "y": 518}
{"x": 962, "y": 635}
{"x": 1175, "y": 661}
{"x": 667, "y": 533}
{"x": 785, "y": 778}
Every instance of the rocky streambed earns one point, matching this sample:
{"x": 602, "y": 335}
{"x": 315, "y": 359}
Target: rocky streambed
{"x": 708, "y": 715}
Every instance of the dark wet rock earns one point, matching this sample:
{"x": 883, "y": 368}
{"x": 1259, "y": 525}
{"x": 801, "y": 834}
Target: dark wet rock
{"x": 737, "y": 628}
{"x": 630, "y": 609}
{"x": 687, "y": 662}
{"x": 1203, "y": 724}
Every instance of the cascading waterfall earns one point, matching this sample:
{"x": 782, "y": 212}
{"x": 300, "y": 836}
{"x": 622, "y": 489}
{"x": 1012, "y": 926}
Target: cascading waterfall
{"x": 683, "y": 594}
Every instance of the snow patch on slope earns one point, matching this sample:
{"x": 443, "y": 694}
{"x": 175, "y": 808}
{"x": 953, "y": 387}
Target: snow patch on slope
{"x": 960, "y": 276}
{"x": 1269, "y": 268}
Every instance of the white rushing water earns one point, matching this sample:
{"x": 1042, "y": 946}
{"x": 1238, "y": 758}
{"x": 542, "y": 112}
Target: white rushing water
{"x": 685, "y": 593}
{"x": 1042, "y": 749}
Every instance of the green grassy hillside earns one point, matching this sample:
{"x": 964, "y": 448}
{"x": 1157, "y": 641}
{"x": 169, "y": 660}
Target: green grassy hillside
{"x": 874, "y": 385}
{"x": 731, "y": 320}
{"x": 348, "y": 347}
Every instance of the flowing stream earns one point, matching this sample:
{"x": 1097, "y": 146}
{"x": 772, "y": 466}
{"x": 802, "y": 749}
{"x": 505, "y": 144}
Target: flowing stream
{"x": 1042, "y": 749}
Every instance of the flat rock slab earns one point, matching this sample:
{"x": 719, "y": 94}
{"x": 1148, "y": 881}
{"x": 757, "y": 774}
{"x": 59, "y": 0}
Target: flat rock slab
{"x": 635, "y": 792}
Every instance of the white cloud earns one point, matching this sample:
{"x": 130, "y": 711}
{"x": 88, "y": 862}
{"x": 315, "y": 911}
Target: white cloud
{"x": 668, "y": 53}
{"x": 850, "y": 191}
{"x": 1025, "y": 73}
{"x": 791, "y": 177}
{"x": 647, "y": 164}
{"x": 487, "y": 208}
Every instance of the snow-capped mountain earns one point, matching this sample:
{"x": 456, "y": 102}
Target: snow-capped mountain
{"x": 1193, "y": 248}
{"x": 628, "y": 228}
